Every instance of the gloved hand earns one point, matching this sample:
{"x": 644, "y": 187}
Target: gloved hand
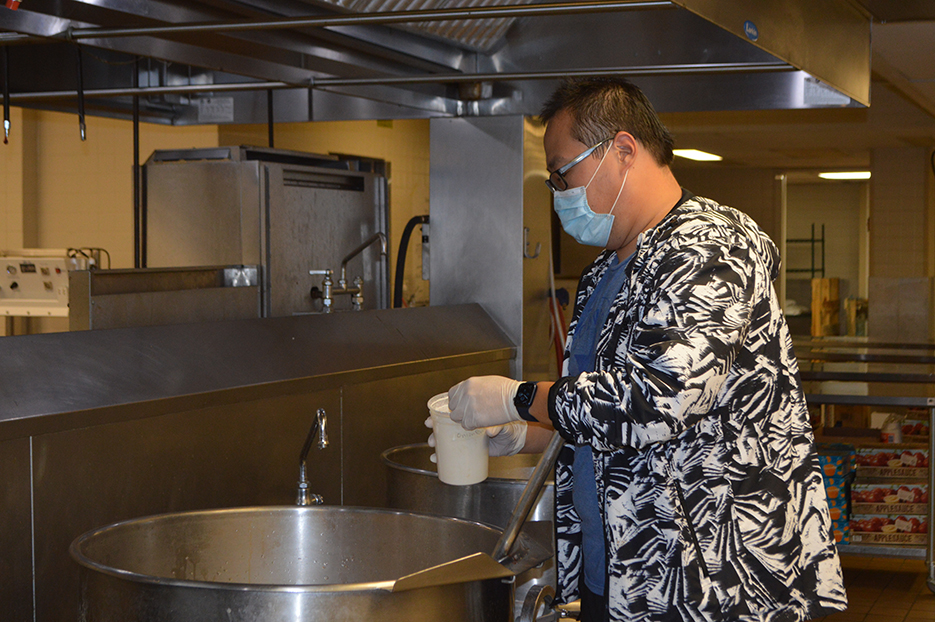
{"x": 431, "y": 426}
{"x": 483, "y": 401}
{"x": 507, "y": 439}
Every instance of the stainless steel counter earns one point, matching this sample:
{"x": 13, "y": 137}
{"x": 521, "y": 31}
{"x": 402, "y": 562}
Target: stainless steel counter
{"x": 102, "y": 426}
{"x": 64, "y": 380}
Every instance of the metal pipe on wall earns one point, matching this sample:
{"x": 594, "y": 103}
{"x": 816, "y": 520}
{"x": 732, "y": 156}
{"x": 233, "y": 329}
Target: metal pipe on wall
{"x": 644, "y": 70}
{"x": 146, "y": 91}
{"x": 388, "y": 17}
{"x": 269, "y": 115}
{"x": 6, "y": 95}
{"x": 143, "y": 217}
{"x": 137, "y": 257}
{"x": 82, "y": 128}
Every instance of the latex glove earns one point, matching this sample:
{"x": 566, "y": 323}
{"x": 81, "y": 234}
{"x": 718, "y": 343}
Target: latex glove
{"x": 483, "y": 401}
{"x": 507, "y": 439}
{"x": 430, "y": 425}
{"x": 504, "y": 440}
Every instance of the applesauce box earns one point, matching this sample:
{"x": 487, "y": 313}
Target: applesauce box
{"x": 889, "y": 498}
{"x": 889, "y": 529}
{"x": 887, "y": 462}
{"x": 915, "y": 430}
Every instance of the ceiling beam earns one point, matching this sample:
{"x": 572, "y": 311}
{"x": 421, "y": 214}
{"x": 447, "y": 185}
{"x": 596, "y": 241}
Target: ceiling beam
{"x": 899, "y": 81}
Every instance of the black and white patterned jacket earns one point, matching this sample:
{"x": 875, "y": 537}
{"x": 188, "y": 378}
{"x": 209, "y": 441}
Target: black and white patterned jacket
{"x": 710, "y": 489}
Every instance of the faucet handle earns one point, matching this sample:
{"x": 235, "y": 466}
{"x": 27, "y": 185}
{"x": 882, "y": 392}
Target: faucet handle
{"x": 357, "y": 300}
{"x": 305, "y": 497}
{"x": 326, "y": 285}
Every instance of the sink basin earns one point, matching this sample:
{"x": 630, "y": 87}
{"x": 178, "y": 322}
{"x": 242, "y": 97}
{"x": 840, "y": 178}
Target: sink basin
{"x": 283, "y": 564}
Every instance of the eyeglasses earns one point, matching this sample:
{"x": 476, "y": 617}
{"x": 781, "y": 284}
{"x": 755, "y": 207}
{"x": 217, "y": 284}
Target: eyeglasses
{"x": 557, "y": 182}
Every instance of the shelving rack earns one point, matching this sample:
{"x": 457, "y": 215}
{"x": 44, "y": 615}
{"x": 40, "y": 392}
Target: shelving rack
{"x": 813, "y": 354}
{"x": 816, "y": 243}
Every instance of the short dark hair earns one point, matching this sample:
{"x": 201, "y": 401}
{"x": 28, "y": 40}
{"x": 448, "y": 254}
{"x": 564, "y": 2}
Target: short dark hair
{"x": 600, "y": 107}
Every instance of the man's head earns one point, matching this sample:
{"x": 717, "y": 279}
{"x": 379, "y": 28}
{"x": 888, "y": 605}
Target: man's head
{"x": 601, "y": 107}
{"x": 606, "y": 147}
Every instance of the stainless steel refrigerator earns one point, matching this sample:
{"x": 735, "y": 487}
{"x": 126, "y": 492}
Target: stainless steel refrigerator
{"x": 286, "y": 212}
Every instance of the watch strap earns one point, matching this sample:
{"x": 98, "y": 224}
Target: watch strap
{"x": 525, "y": 394}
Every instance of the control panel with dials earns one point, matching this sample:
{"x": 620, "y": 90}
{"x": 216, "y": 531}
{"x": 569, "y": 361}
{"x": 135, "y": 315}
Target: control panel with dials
{"x": 34, "y": 286}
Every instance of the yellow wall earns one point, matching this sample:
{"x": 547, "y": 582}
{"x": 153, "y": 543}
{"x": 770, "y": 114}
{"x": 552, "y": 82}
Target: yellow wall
{"x": 59, "y": 192}
{"x": 11, "y": 186}
{"x": 85, "y": 189}
{"x": 403, "y": 144}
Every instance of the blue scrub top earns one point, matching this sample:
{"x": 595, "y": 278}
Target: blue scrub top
{"x": 582, "y": 358}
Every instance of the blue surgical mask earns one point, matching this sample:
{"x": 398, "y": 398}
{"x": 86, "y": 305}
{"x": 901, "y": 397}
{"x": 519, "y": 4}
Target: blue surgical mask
{"x": 579, "y": 220}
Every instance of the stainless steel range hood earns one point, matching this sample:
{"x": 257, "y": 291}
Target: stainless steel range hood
{"x": 216, "y": 61}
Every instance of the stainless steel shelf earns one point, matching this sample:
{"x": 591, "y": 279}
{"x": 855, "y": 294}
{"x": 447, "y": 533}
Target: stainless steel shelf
{"x": 856, "y": 351}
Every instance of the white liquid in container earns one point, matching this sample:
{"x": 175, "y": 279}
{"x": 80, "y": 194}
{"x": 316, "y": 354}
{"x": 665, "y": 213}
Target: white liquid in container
{"x": 461, "y": 454}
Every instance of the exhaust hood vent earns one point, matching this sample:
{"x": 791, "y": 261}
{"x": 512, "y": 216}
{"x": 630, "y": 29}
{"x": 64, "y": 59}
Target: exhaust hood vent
{"x": 481, "y": 35}
{"x": 301, "y": 60}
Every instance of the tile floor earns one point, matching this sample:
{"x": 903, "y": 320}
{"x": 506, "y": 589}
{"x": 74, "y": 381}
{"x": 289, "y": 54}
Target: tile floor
{"x": 885, "y": 590}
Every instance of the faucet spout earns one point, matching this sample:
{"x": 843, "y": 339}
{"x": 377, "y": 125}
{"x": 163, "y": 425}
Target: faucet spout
{"x": 357, "y": 251}
{"x": 304, "y": 496}
{"x": 321, "y": 422}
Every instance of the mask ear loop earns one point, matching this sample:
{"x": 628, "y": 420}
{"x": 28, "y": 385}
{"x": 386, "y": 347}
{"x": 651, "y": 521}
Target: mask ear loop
{"x": 594, "y": 174}
{"x": 625, "y": 175}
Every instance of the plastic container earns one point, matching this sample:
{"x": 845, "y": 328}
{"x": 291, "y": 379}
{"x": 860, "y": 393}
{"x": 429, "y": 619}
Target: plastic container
{"x": 461, "y": 454}
{"x": 892, "y": 431}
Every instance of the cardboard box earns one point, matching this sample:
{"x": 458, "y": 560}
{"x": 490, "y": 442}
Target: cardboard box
{"x": 889, "y": 529}
{"x": 835, "y": 480}
{"x": 842, "y": 455}
{"x": 833, "y": 465}
{"x": 841, "y": 531}
{"x": 840, "y": 501}
{"x": 915, "y": 430}
{"x": 889, "y": 498}
{"x": 892, "y": 462}
{"x": 838, "y": 513}
{"x": 826, "y": 307}
{"x": 836, "y": 491}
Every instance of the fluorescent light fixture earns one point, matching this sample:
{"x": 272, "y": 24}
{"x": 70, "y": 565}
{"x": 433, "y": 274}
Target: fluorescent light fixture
{"x": 694, "y": 154}
{"x": 846, "y": 175}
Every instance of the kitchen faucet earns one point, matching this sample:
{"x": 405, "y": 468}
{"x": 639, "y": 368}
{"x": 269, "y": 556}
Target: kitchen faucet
{"x": 357, "y": 292}
{"x": 320, "y": 424}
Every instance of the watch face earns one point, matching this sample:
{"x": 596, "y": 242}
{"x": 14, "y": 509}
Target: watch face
{"x": 525, "y": 393}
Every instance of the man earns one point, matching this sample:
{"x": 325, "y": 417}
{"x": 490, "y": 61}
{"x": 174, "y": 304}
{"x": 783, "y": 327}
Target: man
{"x": 688, "y": 488}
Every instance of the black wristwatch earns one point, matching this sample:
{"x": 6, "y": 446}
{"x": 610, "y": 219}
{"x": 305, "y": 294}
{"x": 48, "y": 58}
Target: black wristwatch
{"x": 525, "y": 394}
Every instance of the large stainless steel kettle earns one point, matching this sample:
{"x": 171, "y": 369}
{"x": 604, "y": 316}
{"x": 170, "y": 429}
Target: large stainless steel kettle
{"x": 285, "y": 564}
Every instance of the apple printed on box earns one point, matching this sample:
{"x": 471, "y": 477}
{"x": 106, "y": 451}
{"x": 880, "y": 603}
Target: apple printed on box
{"x": 886, "y": 462}
{"x": 915, "y": 428}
